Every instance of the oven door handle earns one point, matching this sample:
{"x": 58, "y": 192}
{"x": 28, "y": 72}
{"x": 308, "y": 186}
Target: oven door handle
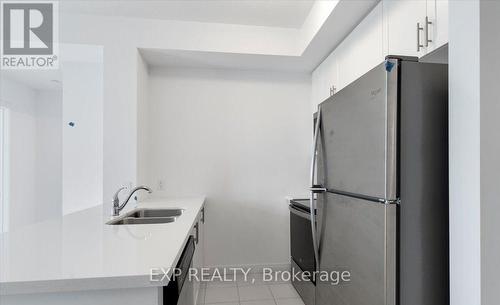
{"x": 299, "y": 212}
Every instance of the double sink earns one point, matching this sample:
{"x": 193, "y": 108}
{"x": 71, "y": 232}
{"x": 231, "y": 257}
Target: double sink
{"x": 147, "y": 216}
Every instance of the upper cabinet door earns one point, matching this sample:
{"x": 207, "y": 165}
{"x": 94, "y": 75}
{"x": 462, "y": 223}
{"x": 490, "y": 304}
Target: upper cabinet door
{"x": 437, "y": 12}
{"x": 402, "y": 19}
{"x": 363, "y": 49}
{"x": 331, "y": 77}
{"x": 319, "y": 87}
{"x": 324, "y": 78}
{"x": 316, "y": 88}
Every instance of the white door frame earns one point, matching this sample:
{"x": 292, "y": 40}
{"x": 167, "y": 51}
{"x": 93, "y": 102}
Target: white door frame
{"x": 4, "y": 169}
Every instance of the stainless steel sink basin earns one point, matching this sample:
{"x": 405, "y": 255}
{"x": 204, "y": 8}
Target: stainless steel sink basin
{"x": 146, "y": 213}
{"x": 141, "y": 221}
{"x": 147, "y": 216}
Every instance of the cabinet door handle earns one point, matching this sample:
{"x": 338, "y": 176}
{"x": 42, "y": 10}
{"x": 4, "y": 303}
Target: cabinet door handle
{"x": 197, "y": 236}
{"x": 332, "y": 90}
{"x": 419, "y": 28}
{"x": 427, "y": 23}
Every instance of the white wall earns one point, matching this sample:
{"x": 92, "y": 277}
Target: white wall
{"x": 242, "y": 139}
{"x": 464, "y": 141}
{"x": 48, "y": 160}
{"x": 474, "y": 152}
{"x": 20, "y": 101}
{"x": 490, "y": 152}
{"x": 142, "y": 121}
{"x": 53, "y": 168}
{"x": 119, "y": 96}
{"x": 82, "y": 177}
{"x": 4, "y": 169}
{"x": 121, "y": 38}
{"x": 34, "y": 150}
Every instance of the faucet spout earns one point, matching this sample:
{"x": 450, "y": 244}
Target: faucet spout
{"x": 117, "y": 207}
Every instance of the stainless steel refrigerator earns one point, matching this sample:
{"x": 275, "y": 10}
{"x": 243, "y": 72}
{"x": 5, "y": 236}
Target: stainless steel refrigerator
{"x": 380, "y": 178}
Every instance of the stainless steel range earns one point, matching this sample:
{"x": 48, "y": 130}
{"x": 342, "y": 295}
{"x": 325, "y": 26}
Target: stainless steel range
{"x": 302, "y": 247}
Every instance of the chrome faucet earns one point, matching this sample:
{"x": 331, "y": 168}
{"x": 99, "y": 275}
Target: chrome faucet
{"x": 117, "y": 207}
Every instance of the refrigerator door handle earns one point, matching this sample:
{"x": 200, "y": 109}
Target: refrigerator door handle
{"x": 315, "y": 189}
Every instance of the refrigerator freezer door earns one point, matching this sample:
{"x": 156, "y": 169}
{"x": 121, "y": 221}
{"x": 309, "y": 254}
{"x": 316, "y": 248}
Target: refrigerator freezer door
{"x": 360, "y": 237}
{"x": 358, "y": 136}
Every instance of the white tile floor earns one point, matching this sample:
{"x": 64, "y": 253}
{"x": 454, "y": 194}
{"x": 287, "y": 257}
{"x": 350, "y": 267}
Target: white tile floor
{"x": 256, "y": 292}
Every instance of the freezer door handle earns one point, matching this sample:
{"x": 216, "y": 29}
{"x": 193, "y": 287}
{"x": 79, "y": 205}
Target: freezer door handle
{"x": 315, "y": 189}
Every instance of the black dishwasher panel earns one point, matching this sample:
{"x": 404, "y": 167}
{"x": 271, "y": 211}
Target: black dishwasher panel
{"x": 178, "y": 287}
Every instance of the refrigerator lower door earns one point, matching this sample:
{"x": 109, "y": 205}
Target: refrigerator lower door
{"x": 358, "y": 135}
{"x": 357, "y": 236}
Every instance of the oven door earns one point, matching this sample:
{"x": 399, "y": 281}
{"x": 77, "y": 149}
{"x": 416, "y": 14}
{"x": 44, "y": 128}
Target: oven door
{"x": 301, "y": 243}
{"x": 302, "y": 252}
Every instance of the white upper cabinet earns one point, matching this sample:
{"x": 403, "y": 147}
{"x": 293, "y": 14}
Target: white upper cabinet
{"x": 405, "y": 26}
{"x": 324, "y": 80}
{"x": 331, "y": 75}
{"x": 416, "y": 27}
{"x": 317, "y": 87}
{"x": 437, "y": 12}
{"x": 393, "y": 27}
{"x": 363, "y": 49}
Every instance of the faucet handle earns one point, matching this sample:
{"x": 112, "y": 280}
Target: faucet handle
{"x": 116, "y": 200}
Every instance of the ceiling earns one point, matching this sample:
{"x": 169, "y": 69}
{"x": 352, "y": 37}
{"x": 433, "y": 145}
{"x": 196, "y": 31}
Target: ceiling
{"x": 339, "y": 23}
{"x": 282, "y": 13}
{"x": 216, "y": 60}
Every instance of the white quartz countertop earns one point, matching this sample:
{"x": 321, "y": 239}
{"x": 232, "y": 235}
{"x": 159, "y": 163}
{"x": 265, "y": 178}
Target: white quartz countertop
{"x": 80, "y": 252}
